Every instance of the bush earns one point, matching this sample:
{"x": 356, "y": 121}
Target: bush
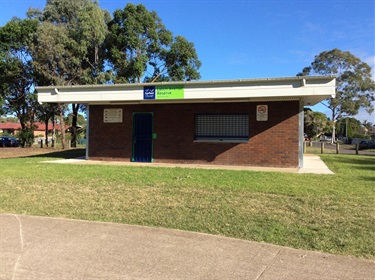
{"x": 26, "y": 137}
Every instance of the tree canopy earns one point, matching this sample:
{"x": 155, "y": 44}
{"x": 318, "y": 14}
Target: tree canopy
{"x": 69, "y": 48}
{"x": 140, "y": 47}
{"x": 350, "y": 128}
{"x": 315, "y": 123}
{"x": 354, "y": 85}
{"x": 17, "y": 76}
{"x": 68, "y": 42}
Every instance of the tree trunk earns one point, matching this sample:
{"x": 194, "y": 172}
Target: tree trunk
{"x": 75, "y": 108}
{"x": 333, "y": 139}
{"x": 73, "y": 141}
{"x": 23, "y": 129}
{"x": 62, "y": 127}
{"x": 53, "y": 132}
{"x": 333, "y": 133}
{"x": 46, "y": 130}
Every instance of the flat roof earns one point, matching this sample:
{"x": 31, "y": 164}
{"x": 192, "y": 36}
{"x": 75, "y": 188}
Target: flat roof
{"x": 309, "y": 89}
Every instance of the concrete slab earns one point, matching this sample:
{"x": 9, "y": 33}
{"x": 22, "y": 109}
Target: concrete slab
{"x": 51, "y": 248}
{"x": 312, "y": 164}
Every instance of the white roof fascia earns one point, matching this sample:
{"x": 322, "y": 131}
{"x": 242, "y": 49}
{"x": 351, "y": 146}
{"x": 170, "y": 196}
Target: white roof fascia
{"x": 309, "y": 89}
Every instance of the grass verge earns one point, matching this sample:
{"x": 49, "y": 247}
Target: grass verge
{"x": 329, "y": 213}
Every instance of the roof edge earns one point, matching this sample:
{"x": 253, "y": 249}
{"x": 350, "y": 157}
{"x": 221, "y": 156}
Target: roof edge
{"x": 198, "y": 82}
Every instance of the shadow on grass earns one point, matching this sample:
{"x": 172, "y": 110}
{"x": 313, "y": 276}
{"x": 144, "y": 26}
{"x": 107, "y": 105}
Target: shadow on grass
{"x": 63, "y": 154}
{"x": 364, "y": 162}
{"x": 368, "y": 178}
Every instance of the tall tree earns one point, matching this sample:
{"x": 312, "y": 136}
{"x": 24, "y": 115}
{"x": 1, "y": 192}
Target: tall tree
{"x": 54, "y": 61}
{"x": 140, "y": 48}
{"x": 17, "y": 74}
{"x": 69, "y": 47}
{"x": 354, "y": 85}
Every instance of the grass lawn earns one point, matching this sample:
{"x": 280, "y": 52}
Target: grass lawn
{"x": 329, "y": 213}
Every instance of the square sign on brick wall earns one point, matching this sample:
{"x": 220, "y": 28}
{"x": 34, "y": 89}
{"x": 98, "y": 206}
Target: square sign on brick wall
{"x": 262, "y": 113}
{"x": 112, "y": 116}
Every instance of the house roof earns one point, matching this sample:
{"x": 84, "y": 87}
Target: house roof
{"x": 38, "y": 126}
{"x": 309, "y": 89}
{"x": 8, "y": 126}
{"x": 42, "y": 126}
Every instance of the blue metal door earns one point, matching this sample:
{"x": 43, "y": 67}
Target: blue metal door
{"x": 142, "y": 137}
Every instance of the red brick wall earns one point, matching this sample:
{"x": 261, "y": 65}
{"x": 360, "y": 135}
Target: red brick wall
{"x": 272, "y": 143}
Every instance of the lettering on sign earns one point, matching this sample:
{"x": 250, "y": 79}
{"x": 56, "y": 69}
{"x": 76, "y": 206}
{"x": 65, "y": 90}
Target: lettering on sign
{"x": 169, "y": 92}
{"x": 112, "y": 115}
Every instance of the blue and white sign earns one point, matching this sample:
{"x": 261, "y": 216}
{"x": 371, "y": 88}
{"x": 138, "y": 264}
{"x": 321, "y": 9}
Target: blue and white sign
{"x": 149, "y": 92}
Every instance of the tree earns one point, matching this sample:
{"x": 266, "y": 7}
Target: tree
{"x": 350, "y": 128}
{"x": 140, "y": 47}
{"x": 69, "y": 48}
{"x": 17, "y": 74}
{"x": 181, "y": 62}
{"x": 354, "y": 85}
{"x": 84, "y": 25}
{"x": 53, "y": 61}
{"x": 315, "y": 123}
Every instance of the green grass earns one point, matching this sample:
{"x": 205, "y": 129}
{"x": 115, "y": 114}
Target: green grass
{"x": 329, "y": 213}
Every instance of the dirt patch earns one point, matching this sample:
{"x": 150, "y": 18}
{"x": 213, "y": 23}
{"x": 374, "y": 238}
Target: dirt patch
{"x": 25, "y": 152}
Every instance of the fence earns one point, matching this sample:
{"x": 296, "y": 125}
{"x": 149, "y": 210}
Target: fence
{"x": 328, "y": 148}
{"x": 53, "y": 143}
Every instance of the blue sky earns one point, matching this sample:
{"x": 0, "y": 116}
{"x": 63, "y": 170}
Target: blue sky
{"x": 255, "y": 38}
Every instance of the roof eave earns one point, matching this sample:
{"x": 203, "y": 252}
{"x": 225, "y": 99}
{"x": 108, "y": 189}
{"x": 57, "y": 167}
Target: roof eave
{"x": 309, "y": 89}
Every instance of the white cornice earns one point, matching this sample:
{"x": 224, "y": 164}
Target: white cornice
{"x": 310, "y": 90}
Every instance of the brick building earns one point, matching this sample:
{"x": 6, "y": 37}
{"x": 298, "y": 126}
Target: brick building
{"x": 254, "y": 122}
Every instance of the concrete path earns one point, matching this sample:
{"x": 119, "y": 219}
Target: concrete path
{"x": 51, "y": 248}
{"x": 312, "y": 165}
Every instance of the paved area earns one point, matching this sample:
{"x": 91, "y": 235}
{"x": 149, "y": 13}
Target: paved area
{"x": 50, "y": 248}
{"x": 312, "y": 164}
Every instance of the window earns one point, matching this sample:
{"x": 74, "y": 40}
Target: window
{"x": 222, "y": 127}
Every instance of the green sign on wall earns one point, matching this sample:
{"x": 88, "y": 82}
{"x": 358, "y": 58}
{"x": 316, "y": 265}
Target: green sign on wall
{"x": 163, "y": 92}
{"x": 169, "y": 92}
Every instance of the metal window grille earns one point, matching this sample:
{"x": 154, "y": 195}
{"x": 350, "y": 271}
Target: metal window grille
{"x": 222, "y": 126}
